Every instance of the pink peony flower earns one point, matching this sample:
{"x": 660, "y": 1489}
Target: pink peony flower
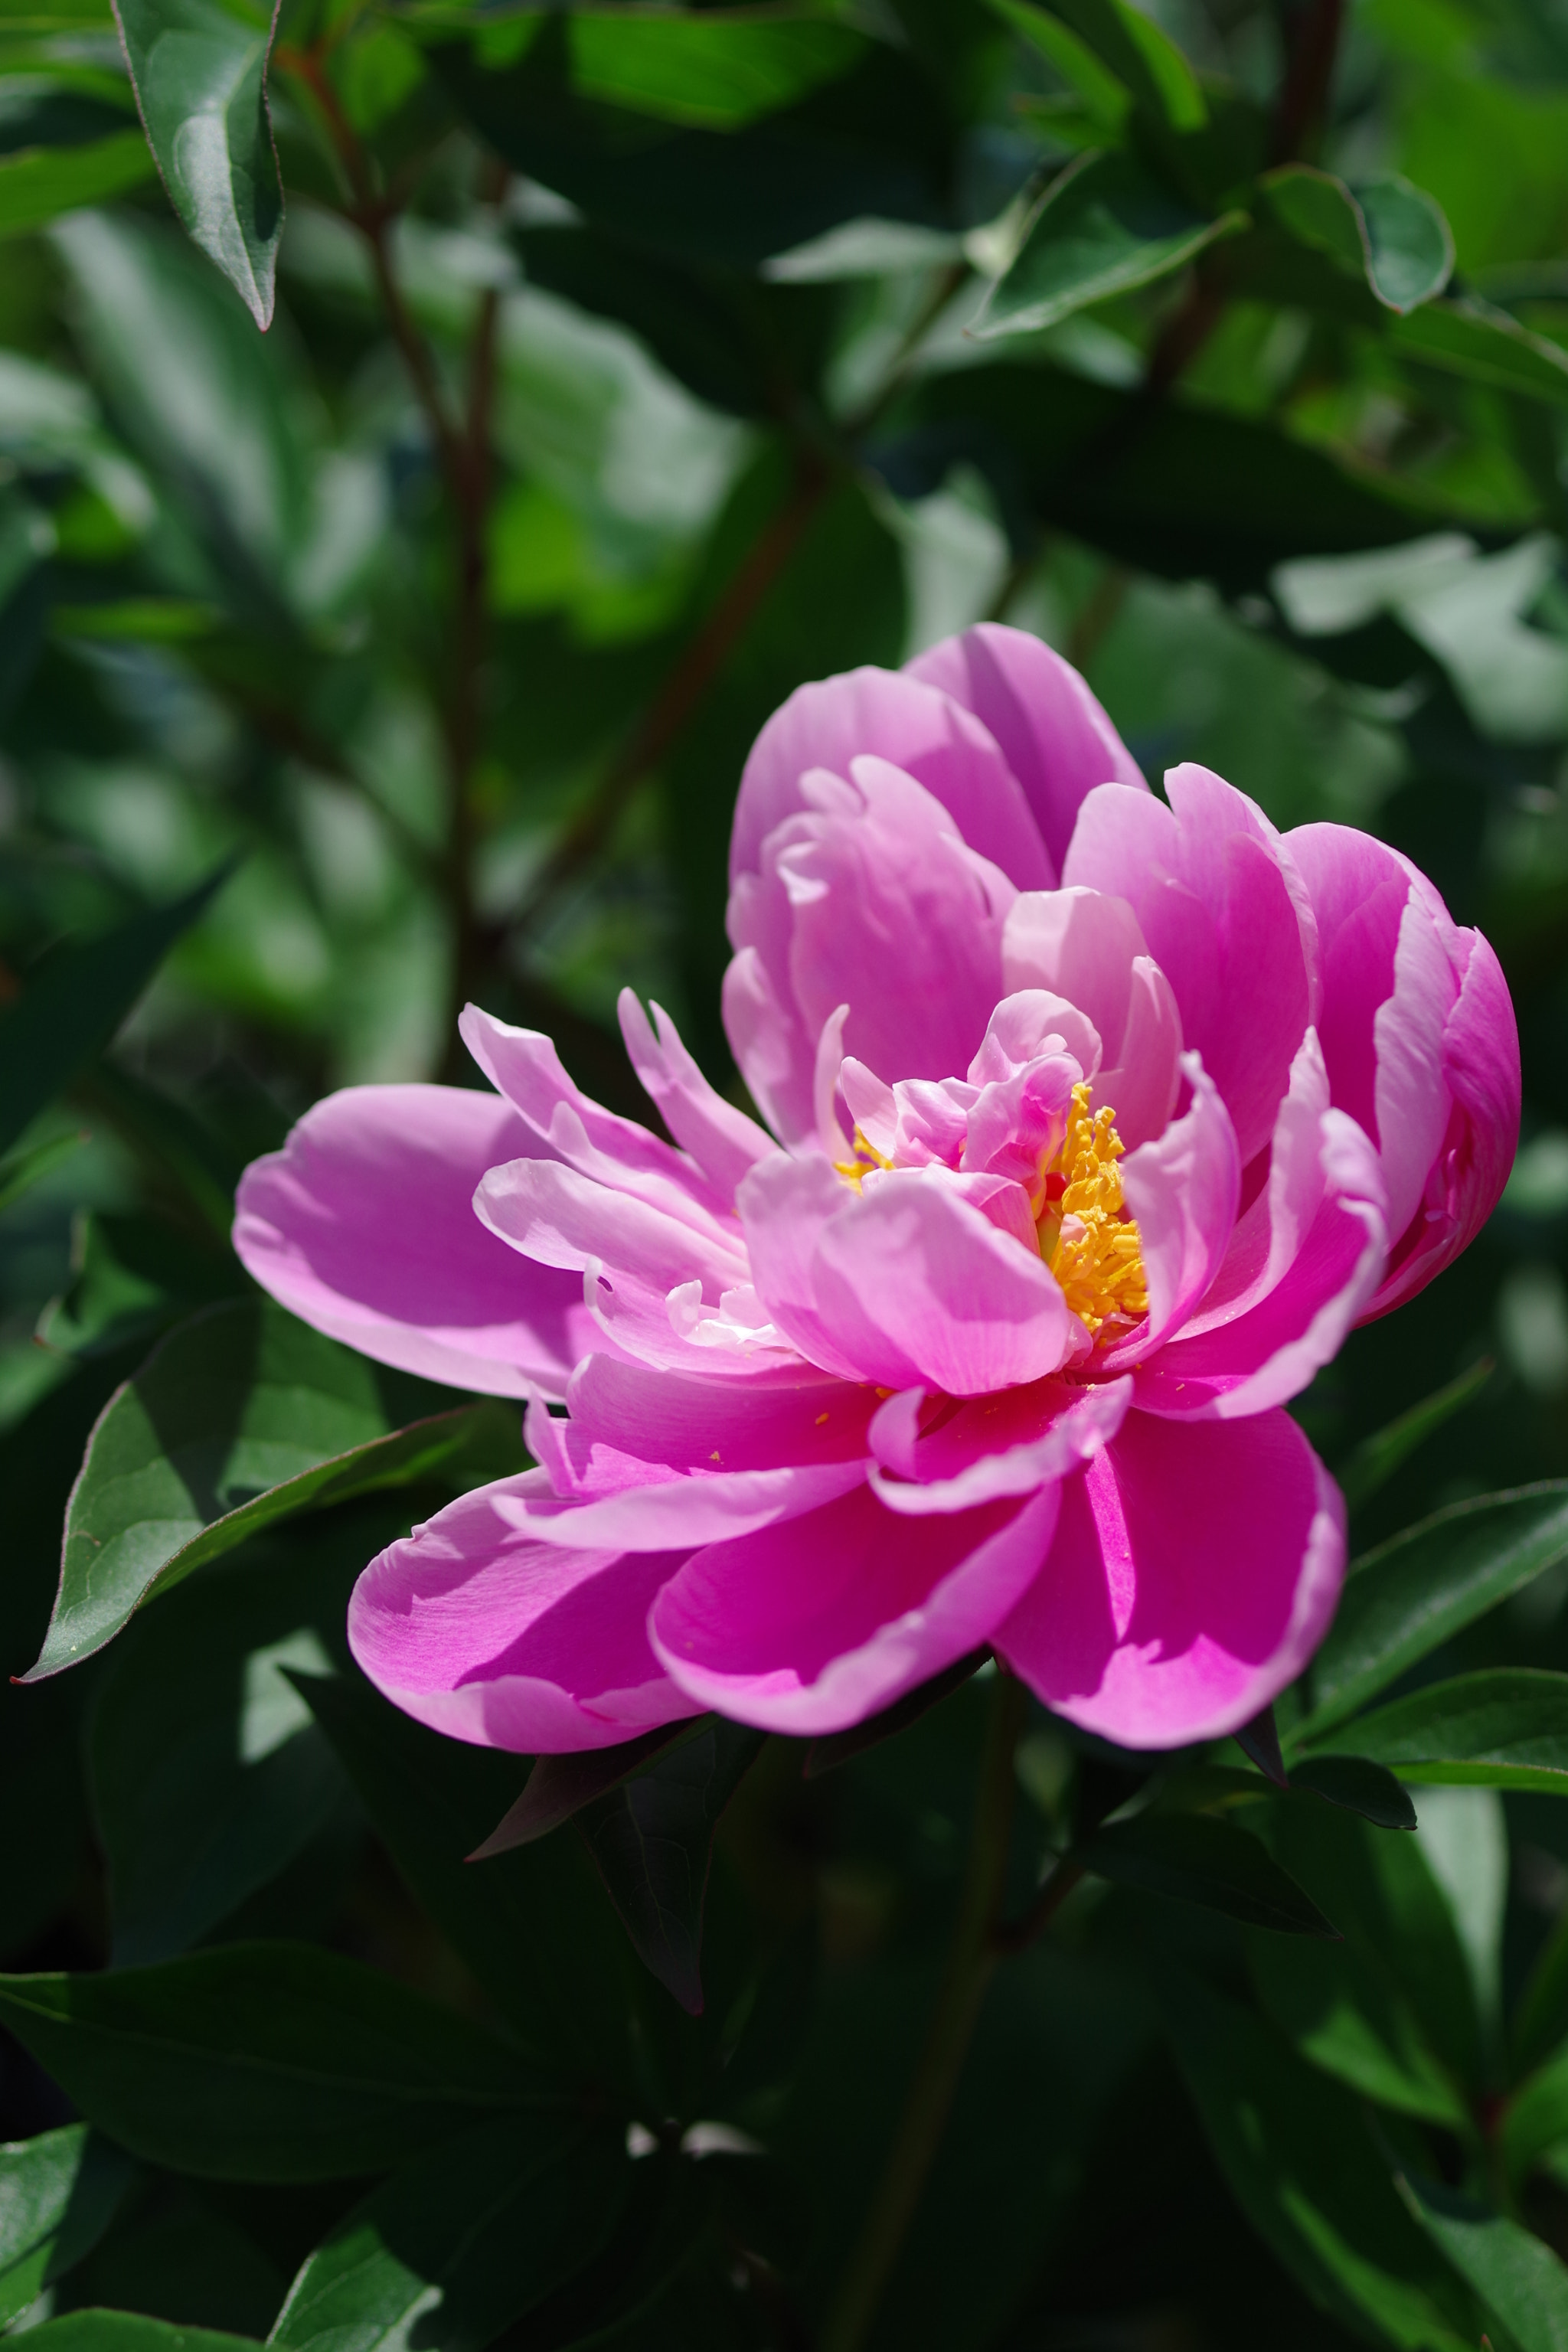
{"x": 1096, "y": 1125}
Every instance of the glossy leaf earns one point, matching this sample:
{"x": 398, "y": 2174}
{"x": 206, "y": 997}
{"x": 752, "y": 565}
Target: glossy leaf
{"x": 76, "y": 1000}
{"x": 1195, "y": 1858}
{"x": 59, "y": 2193}
{"x": 1469, "y": 338}
{"x": 38, "y": 184}
{"x": 263, "y": 2061}
{"x": 1518, "y": 2277}
{"x": 1295, "y": 2149}
{"x": 1386, "y": 233}
{"x": 1505, "y": 1728}
{"x": 652, "y": 1841}
{"x": 1414, "y": 1592}
{"x": 1105, "y": 228}
{"x": 242, "y": 1417}
{"x": 199, "y": 70}
{"x": 129, "y": 2331}
{"x": 1357, "y": 1786}
{"x": 463, "y": 2240}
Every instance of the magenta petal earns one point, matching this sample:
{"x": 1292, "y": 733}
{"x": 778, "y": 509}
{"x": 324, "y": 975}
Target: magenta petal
{"x": 721, "y": 1139}
{"x": 798, "y": 1415}
{"x": 917, "y": 729}
{"x": 559, "y": 1218}
{"x": 363, "y": 1225}
{"x": 1053, "y": 734}
{"x": 1089, "y": 948}
{"x": 1183, "y": 1191}
{"x": 474, "y": 1629}
{"x": 673, "y": 1513}
{"x": 1195, "y": 1569}
{"x": 806, "y": 1628}
{"x": 1006, "y": 1444}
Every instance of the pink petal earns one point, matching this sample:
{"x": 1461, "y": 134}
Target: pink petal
{"x": 363, "y": 1225}
{"x": 672, "y": 1513}
{"x": 1183, "y": 1191}
{"x": 764, "y": 1033}
{"x": 1195, "y": 1569}
{"x": 1089, "y": 948}
{"x": 919, "y": 729}
{"x": 1227, "y": 920}
{"x": 559, "y": 1218}
{"x": 633, "y": 1319}
{"x": 1006, "y": 1444}
{"x": 806, "y": 1628}
{"x": 1052, "y": 732}
{"x": 474, "y": 1629}
{"x": 797, "y": 1415}
{"x": 909, "y": 1285}
{"x": 721, "y": 1139}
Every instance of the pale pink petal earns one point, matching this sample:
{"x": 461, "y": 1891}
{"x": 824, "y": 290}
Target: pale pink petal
{"x": 653, "y": 1327}
{"x": 474, "y": 1629}
{"x": 672, "y": 1513}
{"x": 785, "y": 1203}
{"x": 557, "y": 1217}
{"x": 1227, "y": 918}
{"x": 1006, "y": 1444}
{"x": 793, "y": 1415}
{"x": 765, "y": 1035}
{"x": 806, "y": 1628}
{"x": 1195, "y": 1569}
{"x": 721, "y": 1139}
{"x": 363, "y": 1225}
{"x": 1052, "y": 732}
{"x": 921, "y": 731}
{"x": 1183, "y": 1191}
{"x": 1089, "y": 948}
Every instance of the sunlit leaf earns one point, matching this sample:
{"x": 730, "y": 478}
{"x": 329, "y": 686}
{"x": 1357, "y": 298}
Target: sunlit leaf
{"x": 59, "y": 2193}
{"x": 37, "y": 184}
{"x": 1516, "y": 2276}
{"x": 1505, "y": 1728}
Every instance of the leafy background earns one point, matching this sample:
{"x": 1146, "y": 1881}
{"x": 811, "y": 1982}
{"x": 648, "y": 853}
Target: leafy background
{"x": 622, "y": 368}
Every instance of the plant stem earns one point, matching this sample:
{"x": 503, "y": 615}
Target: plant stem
{"x": 971, "y": 1960}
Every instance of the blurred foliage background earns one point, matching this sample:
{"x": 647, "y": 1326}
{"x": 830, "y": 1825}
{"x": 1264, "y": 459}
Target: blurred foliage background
{"x": 621, "y": 369}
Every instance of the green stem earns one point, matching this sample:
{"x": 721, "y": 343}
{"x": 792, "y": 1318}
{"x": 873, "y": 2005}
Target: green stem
{"x": 972, "y": 1957}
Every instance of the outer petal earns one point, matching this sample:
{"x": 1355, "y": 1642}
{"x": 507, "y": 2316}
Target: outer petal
{"x": 899, "y": 718}
{"x": 806, "y": 1628}
{"x": 1194, "y": 1570}
{"x": 798, "y": 1415}
{"x": 721, "y": 1139}
{"x": 1053, "y": 734}
{"x": 1227, "y": 920}
{"x": 472, "y": 1627}
{"x": 363, "y": 1226}
{"x": 909, "y": 1286}
{"x": 1006, "y": 1444}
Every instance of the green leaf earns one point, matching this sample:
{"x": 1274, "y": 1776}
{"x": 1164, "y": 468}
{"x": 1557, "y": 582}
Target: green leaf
{"x": 242, "y": 1417}
{"x": 38, "y": 184}
{"x": 716, "y": 72}
{"x": 1377, "y": 1457}
{"x": 264, "y": 2061}
{"x": 199, "y": 70}
{"x": 1357, "y": 1786}
{"x": 1134, "y": 49}
{"x": 1387, "y": 234}
{"x": 59, "y": 2193}
{"x": 1301, "y": 2165}
{"x": 837, "y": 1747}
{"x": 462, "y": 2241}
{"x": 76, "y": 1000}
{"x": 1536, "y": 2116}
{"x": 652, "y": 1841}
{"x": 560, "y": 1786}
{"x": 532, "y": 1925}
{"x": 1410, "y": 1595}
{"x": 1104, "y": 227}
{"x": 1195, "y": 1858}
{"x": 20, "y": 1170}
{"x": 128, "y": 2331}
{"x": 1106, "y": 97}
{"x": 1505, "y": 1728}
{"x": 1468, "y": 337}
{"x": 1516, "y": 2276}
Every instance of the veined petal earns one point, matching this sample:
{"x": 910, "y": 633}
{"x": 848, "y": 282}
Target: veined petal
{"x": 363, "y": 1226}
{"x": 806, "y": 1628}
{"x": 721, "y": 1139}
{"x": 974, "y": 1453}
{"x": 559, "y": 1218}
{"x": 1195, "y": 1569}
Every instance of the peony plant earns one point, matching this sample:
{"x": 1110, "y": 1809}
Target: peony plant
{"x": 1090, "y": 1125}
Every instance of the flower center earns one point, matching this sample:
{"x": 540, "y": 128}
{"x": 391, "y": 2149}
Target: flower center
{"x": 1086, "y": 1238}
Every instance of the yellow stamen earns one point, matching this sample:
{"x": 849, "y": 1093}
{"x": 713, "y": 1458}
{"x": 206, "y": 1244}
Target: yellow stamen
{"x": 1090, "y": 1244}
{"x": 866, "y": 1157}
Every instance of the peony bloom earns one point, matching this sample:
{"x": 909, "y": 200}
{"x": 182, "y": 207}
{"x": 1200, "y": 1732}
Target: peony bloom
{"x": 1093, "y": 1126}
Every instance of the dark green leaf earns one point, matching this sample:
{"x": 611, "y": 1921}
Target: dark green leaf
{"x": 1414, "y": 1592}
{"x": 263, "y": 2061}
{"x": 1357, "y": 1786}
{"x": 1105, "y": 228}
{"x": 1469, "y": 338}
{"x": 463, "y": 2240}
{"x": 1540, "y": 2017}
{"x": 59, "y": 2193}
{"x": 533, "y": 1924}
{"x": 128, "y": 2331}
{"x": 200, "y": 75}
{"x": 1195, "y": 1858}
{"x": 652, "y": 1840}
{"x": 1388, "y": 234}
{"x": 1377, "y": 1457}
{"x": 38, "y": 184}
{"x": 715, "y": 72}
{"x": 76, "y": 1000}
{"x": 1105, "y": 98}
{"x": 1141, "y": 56}
{"x": 1536, "y": 2116}
{"x": 560, "y": 1786}
{"x": 1300, "y": 2164}
{"x": 838, "y": 1746}
{"x": 1517, "y": 2277}
{"x": 242, "y": 1417}
{"x": 20, "y": 1170}
{"x": 1506, "y": 1727}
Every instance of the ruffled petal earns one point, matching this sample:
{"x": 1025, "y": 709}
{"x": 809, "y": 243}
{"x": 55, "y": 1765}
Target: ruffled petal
{"x": 363, "y": 1225}
{"x": 1195, "y": 1569}
{"x": 473, "y": 1628}
{"x": 899, "y": 718}
{"x": 1227, "y": 920}
{"x": 721, "y": 1139}
{"x": 931, "y": 1455}
{"x": 557, "y": 1217}
{"x": 1052, "y": 732}
{"x": 1089, "y": 948}
{"x": 806, "y": 1628}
